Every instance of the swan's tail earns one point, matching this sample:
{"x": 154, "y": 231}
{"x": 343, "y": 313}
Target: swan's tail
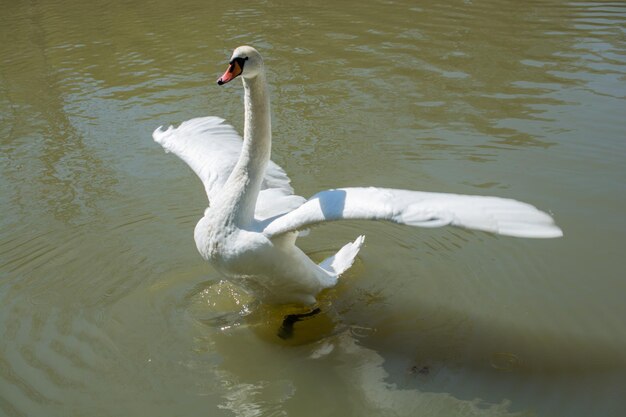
{"x": 343, "y": 259}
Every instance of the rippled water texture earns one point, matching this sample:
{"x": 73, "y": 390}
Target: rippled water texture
{"x": 106, "y": 309}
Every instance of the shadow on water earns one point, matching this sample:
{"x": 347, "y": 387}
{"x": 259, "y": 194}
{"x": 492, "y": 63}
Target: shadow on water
{"x": 430, "y": 350}
{"x": 421, "y": 337}
{"x": 451, "y": 338}
{"x": 444, "y": 350}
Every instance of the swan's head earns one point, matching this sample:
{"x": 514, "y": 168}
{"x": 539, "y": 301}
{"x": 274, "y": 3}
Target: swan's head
{"x": 245, "y": 61}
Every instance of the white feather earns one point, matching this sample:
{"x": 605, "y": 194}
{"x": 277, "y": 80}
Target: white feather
{"x": 248, "y": 232}
{"x": 211, "y": 148}
{"x": 416, "y": 208}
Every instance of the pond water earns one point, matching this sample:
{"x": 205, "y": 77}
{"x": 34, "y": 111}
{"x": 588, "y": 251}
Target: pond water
{"x": 107, "y": 309}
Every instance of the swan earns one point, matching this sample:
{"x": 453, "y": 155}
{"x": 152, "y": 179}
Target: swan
{"x": 249, "y": 230}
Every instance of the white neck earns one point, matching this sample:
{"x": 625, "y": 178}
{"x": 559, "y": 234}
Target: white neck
{"x": 242, "y": 188}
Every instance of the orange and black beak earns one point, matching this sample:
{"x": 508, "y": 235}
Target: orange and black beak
{"x": 235, "y": 68}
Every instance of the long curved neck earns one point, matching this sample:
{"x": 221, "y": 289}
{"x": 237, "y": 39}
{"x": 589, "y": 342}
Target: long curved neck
{"x": 244, "y": 183}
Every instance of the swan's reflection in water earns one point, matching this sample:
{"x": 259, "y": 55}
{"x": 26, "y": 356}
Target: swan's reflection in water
{"x": 224, "y": 307}
{"x": 425, "y": 359}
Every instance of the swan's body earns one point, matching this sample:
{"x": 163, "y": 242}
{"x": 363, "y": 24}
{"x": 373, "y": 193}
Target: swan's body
{"x": 249, "y": 231}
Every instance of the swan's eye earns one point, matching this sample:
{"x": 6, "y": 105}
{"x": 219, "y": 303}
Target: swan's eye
{"x": 235, "y": 68}
{"x": 239, "y": 61}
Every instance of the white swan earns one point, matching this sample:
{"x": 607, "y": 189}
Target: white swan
{"x": 249, "y": 230}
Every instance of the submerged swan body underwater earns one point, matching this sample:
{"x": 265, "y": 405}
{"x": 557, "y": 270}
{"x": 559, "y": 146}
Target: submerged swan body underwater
{"x": 249, "y": 230}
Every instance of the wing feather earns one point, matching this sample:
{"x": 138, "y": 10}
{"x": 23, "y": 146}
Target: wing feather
{"x": 416, "y": 208}
{"x": 211, "y": 148}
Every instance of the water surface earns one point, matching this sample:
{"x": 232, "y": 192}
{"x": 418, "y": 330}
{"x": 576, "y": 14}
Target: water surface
{"x": 106, "y": 308}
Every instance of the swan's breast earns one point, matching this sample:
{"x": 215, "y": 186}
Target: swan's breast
{"x": 231, "y": 250}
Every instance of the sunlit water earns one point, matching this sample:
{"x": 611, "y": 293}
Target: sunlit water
{"x": 106, "y": 309}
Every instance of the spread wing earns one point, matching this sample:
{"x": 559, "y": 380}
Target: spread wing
{"x": 211, "y": 148}
{"x": 415, "y": 208}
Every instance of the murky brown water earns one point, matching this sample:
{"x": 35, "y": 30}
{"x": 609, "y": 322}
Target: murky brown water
{"x": 106, "y": 309}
